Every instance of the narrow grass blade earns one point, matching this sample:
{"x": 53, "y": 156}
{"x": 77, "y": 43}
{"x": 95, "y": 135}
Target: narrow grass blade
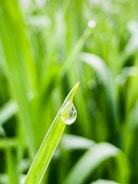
{"x": 91, "y": 159}
{"x": 50, "y": 142}
{"x": 13, "y": 175}
{"x": 100, "y": 181}
{"x": 98, "y": 65}
{"x": 7, "y": 111}
{"x": 106, "y": 79}
{"x": 19, "y": 66}
{"x": 73, "y": 142}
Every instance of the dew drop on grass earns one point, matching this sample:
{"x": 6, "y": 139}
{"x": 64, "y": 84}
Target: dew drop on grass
{"x": 69, "y": 113}
{"x": 91, "y": 24}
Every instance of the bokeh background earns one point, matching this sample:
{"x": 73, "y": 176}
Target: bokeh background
{"x": 46, "y": 46}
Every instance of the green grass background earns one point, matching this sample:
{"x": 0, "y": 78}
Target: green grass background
{"x": 45, "y": 48}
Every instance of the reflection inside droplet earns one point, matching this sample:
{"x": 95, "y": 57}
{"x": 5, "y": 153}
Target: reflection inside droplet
{"x": 69, "y": 113}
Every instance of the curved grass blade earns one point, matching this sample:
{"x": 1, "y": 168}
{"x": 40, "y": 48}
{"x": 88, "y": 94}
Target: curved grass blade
{"x": 90, "y": 161}
{"x": 74, "y": 142}
{"x": 106, "y": 79}
{"x": 50, "y": 142}
{"x": 100, "y": 181}
{"x": 7, "y": 111}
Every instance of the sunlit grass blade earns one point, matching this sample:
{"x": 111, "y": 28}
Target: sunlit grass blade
{"x": 100, "y": 181}
{"x": 76, "y": 49}
{"x": 50, "y": 142}
{"x": 73, "y": 142}
{"x": 13, "y": 175}
{"x": 19, "y": 67}
{"x": 98, "y": 65}
{"x": 106, "y": 80}
{"x": 7, "y": 111}
{"x": 90, "y": 161}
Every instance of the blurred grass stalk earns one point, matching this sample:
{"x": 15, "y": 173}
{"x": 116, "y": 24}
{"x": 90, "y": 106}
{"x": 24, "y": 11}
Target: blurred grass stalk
{"x": 18, "y": 65}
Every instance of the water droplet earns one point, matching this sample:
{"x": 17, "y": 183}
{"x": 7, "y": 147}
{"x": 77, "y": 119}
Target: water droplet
{"x": 91, "y": 23}
{"x": 69, "y": 113}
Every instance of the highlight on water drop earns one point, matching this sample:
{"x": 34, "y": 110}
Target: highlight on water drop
{"x": 68, "y": 113}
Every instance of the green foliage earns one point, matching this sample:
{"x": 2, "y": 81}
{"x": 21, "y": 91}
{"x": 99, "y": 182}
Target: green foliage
{"x": 91, "y": 159}
{"x": 45, "y": 48}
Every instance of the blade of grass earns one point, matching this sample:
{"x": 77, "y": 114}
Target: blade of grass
{"x": 73, "y": 142}
{"x": 49, "y": 143}
{"x": 103, "y": 74}
{"x": 13, "y": 175}
{"x": 19, "y": 66}
{"x": 100, "y": 181}
{"x": 7, "y": 111}
{"x": 90, "y": 161}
